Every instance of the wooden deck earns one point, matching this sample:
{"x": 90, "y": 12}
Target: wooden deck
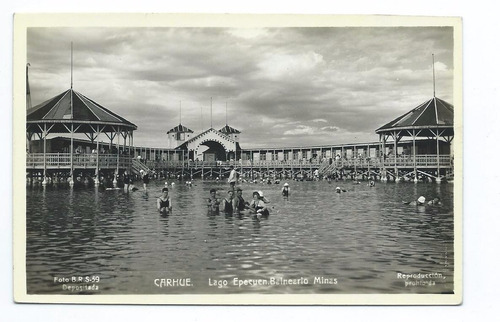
{"x": 403, "y": 166}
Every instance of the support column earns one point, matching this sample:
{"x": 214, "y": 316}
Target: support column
{"x": 96, "y": 182}
{"x": 115, "y": 178}
{"x": 355, "y": 159}
{"x": 368, "y": 161}
{"x": 438, "y": 177}
{"x": 44, "y": 182}
{"x": 414, "y": 158}
{"x": 383, "y": 175}
{"x": 396, "y": 173}
{"x": 71, "y": 169}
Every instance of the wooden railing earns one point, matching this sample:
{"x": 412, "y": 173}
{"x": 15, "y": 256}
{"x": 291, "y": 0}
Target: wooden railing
{"x": 63, "y": 160}
{"x": 390, "y": 161}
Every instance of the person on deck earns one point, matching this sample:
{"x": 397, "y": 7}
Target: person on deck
{"x": 164, "y": 203}
{"x": 233, "y": 177}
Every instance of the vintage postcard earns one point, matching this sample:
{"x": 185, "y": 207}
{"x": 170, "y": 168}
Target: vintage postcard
{"x": 237, "y": 159}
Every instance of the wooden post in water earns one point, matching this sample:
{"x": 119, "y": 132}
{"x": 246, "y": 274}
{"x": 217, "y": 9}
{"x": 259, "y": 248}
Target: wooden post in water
{"x": 396, "y": 174}
{"x": 44, "y": 182}
{"x": 414, "y": 158}
{"x": 438, "y": 177}
{"x": 96, "y": 183}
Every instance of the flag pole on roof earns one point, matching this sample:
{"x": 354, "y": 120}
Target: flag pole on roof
{"x": 71, "y": 92}
{"x": 28, "y": 91}
{"x": 71, "y": 65}
{"x": 433, "y": 77}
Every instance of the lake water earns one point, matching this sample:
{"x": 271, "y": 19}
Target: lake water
{"x": 315, "y": 241}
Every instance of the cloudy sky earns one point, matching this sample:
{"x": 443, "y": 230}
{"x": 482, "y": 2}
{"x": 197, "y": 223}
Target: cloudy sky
{"x": 282, "y": 86}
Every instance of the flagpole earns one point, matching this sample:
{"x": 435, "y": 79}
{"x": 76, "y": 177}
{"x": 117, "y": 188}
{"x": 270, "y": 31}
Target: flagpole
{"x": 433, "y": 77}
{"x": 71, "y": 65}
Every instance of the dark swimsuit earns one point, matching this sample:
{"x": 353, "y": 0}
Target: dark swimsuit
{"x": 228, "y": 207}
{"x": 240, "y": 204}
{"x": 164, "y": 203}
{"x": 264, "y": 213}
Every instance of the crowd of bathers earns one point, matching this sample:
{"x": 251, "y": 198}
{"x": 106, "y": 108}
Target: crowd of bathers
{"x": 235, "y": 204}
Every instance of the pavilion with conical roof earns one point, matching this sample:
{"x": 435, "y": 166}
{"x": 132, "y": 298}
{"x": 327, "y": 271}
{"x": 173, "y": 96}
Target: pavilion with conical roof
{"x": 73, "y": 113}
{"x": 432, "y": 120}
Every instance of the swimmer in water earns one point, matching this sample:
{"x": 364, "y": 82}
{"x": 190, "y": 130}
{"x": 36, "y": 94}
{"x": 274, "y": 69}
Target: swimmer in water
{"x": 435, "y": 202}
{"x": 229, "y": 203}
{"x": 258, "y": 205}
{"x": 339, "y": 190}
{"x": 145, "y": 179}
{"x": 285, "y": 191}
{"x": 126, "y": 181}
{"x": 164, "y": 203}
{"x": 419, "y": 202}
{"x": 212, "y": 202}
{"x": 239, "y": 203}
{"x": 371, "y": 183}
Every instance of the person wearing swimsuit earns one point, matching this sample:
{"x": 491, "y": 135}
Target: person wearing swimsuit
{"x": 145, "y": 179}
{"x": 126, "y": 181}
{"x": 239, "y": 203}
{"x": 258, "y": 205}
{"x": 212, "y": 202}
{"x": 229, "y": 203}
{"x": 163, "y": 203}
{"x": 285, "y": 191}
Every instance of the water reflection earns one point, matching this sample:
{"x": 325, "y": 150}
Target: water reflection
{"x": 363, "y": 237}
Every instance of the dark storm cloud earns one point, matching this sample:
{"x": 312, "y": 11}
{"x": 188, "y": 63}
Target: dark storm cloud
{"x": 282, "y": 86}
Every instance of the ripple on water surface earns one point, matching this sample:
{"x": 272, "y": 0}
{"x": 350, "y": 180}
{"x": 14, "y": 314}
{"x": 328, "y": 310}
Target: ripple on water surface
{"x": 363, "y": 237}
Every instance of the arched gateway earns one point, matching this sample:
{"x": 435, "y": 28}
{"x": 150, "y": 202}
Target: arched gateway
{"x": 211, "y": 145}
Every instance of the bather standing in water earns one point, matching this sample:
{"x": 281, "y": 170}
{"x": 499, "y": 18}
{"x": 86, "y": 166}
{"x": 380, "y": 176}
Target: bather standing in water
{"x": 258, "y": 205}
{"x": 229, "y": 203}
{"x": 145, "y": 179}
{"x": 239, "y": 203}
{"x": 212, "y": 202}
{"x": 126, "y": 181}
{"x": 164, "y": 203}
{"x": 285, "y": 191}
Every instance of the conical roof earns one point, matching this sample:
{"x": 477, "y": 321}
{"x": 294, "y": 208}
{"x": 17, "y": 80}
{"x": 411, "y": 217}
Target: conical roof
{"x": 180, "y": 129}
{"x": 73, "y": 107}
{"x": 229, "y": 130}
{"x": 434, "y": 113}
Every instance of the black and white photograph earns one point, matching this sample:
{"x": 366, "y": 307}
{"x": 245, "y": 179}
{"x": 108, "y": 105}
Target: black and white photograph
{"x": 238, "y": 159}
